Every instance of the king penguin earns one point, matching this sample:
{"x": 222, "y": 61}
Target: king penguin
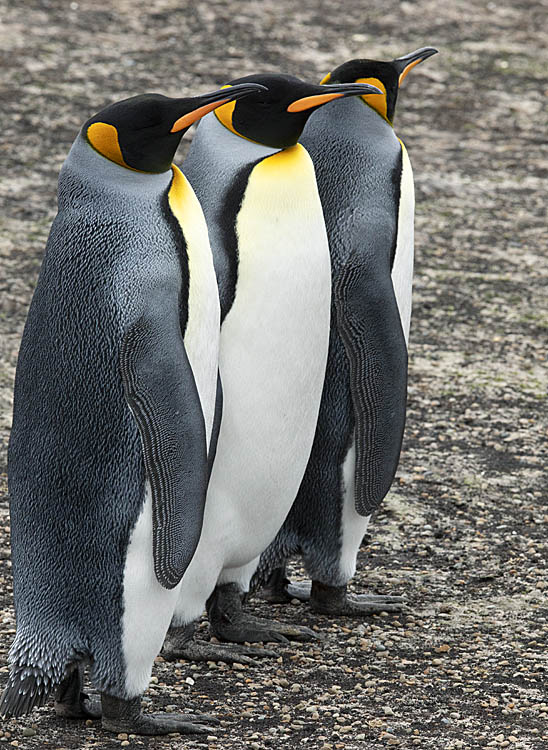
{"x": 258, "y": 190}
{"x": 366, "y": 188}
{"x": 114, "y": 409}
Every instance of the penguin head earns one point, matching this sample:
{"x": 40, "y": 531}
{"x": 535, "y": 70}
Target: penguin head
{"x": 142, "y": 133}
{"x": 387, "y": 76}
{"x": 276, "y": 116}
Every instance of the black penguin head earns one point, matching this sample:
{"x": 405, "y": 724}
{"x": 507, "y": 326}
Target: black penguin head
{"x": 387, "y": 76}
{"x": 276, "y": 117}
{"x": 142, "y": 133}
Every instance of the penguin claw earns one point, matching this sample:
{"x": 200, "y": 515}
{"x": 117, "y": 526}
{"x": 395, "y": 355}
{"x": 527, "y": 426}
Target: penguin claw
{"x": 158, "y": 724}
{"x": 124, "y": 715}
{"x": 256, "y": 630}
{"x": 228, "y": 621}
{"x": 229, "y": 653}
{"x": 246, "y": 632}
{"x": 358, "y": 605}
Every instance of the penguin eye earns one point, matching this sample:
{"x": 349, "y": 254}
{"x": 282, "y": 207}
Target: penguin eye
{"x": 151, "y": 119}
{"x": 261, "y": 103}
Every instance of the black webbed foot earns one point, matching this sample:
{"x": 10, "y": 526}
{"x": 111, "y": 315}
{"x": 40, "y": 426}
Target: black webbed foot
{"x": 71, "y": 702}
{"x": 228, "y": 622}
{"x": 335, "y": 600}
{"x": 121, "y": 715}
{"x": 180, "y": 643}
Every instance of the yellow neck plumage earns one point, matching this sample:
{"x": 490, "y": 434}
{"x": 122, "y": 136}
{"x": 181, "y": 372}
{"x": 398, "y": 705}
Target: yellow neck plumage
{"x": 377, "y": 101}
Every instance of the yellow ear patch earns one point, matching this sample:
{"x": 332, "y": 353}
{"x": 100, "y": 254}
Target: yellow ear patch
{"x": 377, "y": 101}
{"x": 104, "y": 139}
{"x": 224, "y": 115}
{"x": 325, "y": 79}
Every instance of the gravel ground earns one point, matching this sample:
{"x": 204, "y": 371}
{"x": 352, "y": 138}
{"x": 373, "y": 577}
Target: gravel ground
{"x": 463, "y": 532}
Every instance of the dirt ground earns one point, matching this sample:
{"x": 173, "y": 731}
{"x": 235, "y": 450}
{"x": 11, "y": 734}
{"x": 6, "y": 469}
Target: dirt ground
{"x": 462, "y": 535}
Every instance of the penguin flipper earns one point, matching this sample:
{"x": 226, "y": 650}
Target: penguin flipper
{"x": 161, "y": 391}
{"x": 217, "y": 415}
{"x": 369, "y": 324}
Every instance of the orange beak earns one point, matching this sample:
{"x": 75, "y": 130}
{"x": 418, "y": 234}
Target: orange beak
{"x": 328, "y": 93}
{"x": 186, "y": 120}
{"x": 407, "y": 69}
{"x": 407, "y": 62}
{"x": 311, "y": 101}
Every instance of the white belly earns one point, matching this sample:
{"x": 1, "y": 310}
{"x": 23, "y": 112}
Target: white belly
{"x": 353, "y": 525}
{"x": 202, "y": 331}
{"x": 148, "y": 607}
{"x": 402, "y": 270}
{"x": 272, "y": 362}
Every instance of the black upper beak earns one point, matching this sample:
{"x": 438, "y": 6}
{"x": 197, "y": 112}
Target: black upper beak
{"x": 404, "y": 64}
{"x": 229, "y": 93}
{"x": 208, "y": 102}
{"x": 322, "y": 94}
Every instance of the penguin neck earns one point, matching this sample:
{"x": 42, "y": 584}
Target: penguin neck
{"x": 350, "y": 119}
{"x": 97, "y": 175}
{"x": 375, "y": 120}
{"x": 223, "y": 144}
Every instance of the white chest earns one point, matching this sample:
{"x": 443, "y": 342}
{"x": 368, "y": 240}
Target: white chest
{"x": 272, "y": 358}
{"x": 402, "y": 270}
{"x": 202, "y": 332}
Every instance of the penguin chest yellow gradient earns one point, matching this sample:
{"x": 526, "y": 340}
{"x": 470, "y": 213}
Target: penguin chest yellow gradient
{"x": 202, "y": 332}
{"x": 272, "y": 358}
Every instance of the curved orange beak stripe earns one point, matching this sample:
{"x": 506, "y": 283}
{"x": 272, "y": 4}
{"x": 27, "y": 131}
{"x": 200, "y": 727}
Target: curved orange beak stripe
{"x": 311, "y": 101}
{"x": 406, "y": 70}
{"x": 186, "y": 120}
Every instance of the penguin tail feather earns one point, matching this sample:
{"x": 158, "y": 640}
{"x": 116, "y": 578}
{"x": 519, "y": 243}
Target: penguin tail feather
{"x": 27, "y": 688}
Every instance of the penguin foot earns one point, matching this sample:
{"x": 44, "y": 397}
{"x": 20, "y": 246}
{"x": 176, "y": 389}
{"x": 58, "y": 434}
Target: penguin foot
{"x": 121, "y": 715}
{"x": 335, "y": 600}
{"x": 228, "y": 622}
{"x": 256, "y": 630}
{"x": 279, "y": 589}
{"x": 85, "y": 708}
{"x": 178, "y": 645}
{"x": 71, "y": 702}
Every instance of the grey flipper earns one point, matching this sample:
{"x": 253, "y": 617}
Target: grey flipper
{"x": 369, "y": 324}
{"x": 160, "y": 389}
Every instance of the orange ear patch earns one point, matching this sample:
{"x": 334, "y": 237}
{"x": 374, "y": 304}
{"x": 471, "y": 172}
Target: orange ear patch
{"x": 104, "y": 139}
{"x": 377, "y": 101}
